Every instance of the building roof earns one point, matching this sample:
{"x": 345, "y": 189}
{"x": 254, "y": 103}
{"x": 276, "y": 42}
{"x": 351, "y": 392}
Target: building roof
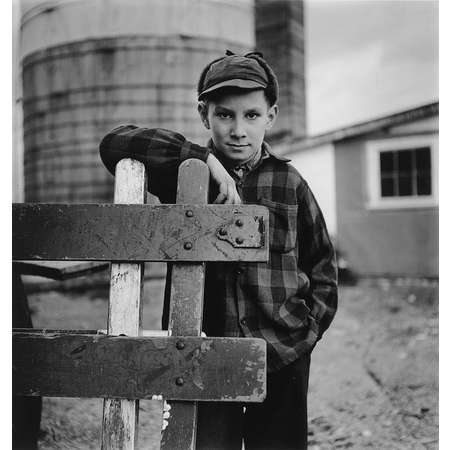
{"x": 370, "y": 126}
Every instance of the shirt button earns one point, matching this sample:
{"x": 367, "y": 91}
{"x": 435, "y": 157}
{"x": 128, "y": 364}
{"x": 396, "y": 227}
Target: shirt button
{"x": 239, "y": 271}
{"x": 244, "y": 321}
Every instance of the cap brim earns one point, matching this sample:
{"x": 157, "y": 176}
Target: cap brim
{"x": 239, "y": 83}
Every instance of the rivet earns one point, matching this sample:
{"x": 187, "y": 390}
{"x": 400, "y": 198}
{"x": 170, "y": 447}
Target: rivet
{"x": 239, "y": 223}
{"x": 179, "y": 381}
{"x": 189, "y": 213}
{"x": 180, "y": 345}
{"x": 187, "y": 245}
{"x": 239, "y": 240}
{"x": 223, "y": 231}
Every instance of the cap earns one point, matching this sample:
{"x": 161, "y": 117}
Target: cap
{"x": 234, "y": 70}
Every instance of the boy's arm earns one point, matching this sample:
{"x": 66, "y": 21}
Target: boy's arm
{"x": 162, "y": 151}
{"x": 317, "y": 260}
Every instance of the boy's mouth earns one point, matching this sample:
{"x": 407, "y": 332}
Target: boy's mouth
{"x": 239, "y": 145}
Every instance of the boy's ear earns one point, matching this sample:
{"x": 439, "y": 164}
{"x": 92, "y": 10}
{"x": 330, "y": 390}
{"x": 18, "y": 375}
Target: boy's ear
{"x": 271, "y": 116}
{"x": 203, "y": 111}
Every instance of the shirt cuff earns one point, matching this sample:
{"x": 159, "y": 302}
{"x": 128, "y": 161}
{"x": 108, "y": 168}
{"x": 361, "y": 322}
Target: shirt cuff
{"x": 191, "y": 150}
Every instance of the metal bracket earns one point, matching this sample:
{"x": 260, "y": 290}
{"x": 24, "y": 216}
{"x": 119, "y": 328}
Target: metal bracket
{"x": 243, "y": 231}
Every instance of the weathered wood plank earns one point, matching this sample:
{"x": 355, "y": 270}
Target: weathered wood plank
{"x": 53, "y": 331}
{"x": 59, "y": 273}
{"x": 186, "y": 306}
{"x": 111, "y": 232}
{"x": 107, "y": 232}
{"x": 178, "y": 368}
{"x": 120, "y": 417}
{"x": 47, "y": 331}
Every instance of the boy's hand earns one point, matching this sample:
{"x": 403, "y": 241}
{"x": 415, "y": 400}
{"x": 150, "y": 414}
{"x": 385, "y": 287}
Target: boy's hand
{"x": 227, "y": 187}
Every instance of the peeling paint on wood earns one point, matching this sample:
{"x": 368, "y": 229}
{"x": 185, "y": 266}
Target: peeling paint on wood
{"x": 118, "y": 232}
{"x": 77, "y": 365}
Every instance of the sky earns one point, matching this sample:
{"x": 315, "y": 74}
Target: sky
{"x": 365, "y": 59}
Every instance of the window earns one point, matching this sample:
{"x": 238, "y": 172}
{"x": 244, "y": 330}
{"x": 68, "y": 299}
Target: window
{"x": 405, "y": 172}
{"x": 401, "y": 172}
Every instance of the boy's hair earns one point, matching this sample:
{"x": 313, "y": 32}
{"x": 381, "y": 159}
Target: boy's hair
{"x": 270, "y": 91}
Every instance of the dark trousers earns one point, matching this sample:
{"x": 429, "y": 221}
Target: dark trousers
{"x": 279, "y": 423}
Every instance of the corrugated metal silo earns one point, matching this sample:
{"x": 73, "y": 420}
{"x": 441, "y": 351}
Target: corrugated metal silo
{"x": 90, "y": 65}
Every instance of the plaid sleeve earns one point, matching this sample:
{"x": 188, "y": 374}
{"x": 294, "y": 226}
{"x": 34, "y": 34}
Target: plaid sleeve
{"x": 317, "y": 260}
{"x": 157, "y": 148}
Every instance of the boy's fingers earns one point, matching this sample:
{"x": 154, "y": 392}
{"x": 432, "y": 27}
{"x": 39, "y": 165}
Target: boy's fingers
{"x": 227, "y": 199}
{"x": 233, "y": 195}
{"x": 236, "y": 200}
{"x": 220, "y": 198}
{"x": 228, "y": 194}
{"x": 233, "y": 198}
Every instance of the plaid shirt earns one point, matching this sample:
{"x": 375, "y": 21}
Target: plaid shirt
{"x": 290, "y": 300}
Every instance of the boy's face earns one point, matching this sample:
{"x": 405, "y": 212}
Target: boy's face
{"x": 238, "y": 122}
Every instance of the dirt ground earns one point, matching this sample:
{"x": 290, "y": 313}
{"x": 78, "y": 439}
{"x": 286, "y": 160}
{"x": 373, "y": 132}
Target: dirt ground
{"x": 374, "y": 375}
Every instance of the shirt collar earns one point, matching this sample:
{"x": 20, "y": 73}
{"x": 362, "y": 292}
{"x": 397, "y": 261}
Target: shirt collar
{"x": 268, "y": 149}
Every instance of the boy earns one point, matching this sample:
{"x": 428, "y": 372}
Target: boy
{"x": 289, "y": 301}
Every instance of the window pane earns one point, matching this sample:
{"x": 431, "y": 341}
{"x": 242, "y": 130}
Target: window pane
{"x": 423, "y": 158}
{"x": 405, "y": 185}
{"x": 405, "y": 161}
{"x": 406, "y": 172}
{"x": 387, "y": 187}
{"x": 386, "y": 162}
{"x": 424, "y": 184}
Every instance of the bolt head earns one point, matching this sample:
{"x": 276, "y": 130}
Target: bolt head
{"x": 189, "y": 213}
{"x": 179, "y": 381}
{"x": 239, "y": 240}
{"x": 239, "y": 223}
{"x": 188, "y": 245}
{"x": 180, "y": 345}
{"x": 223, "y": 232}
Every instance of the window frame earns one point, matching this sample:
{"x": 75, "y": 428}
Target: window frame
{"x": 373, "y": 176}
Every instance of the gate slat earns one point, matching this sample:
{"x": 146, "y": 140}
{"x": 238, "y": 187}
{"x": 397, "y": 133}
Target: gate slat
{"x": 120, "y": 417}
{"x": 186, "y": 306}
{"x": 138, "y": 233}
{"x": 59, "y": 364}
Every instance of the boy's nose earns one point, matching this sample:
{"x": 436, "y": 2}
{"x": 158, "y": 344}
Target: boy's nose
{"x": 238, "y": 129}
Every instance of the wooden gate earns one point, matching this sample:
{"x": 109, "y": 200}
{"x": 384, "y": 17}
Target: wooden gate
{"x": 125, "y": 365}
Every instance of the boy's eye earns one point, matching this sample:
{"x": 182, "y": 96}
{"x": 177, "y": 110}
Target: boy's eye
{"x": 223, "y": 115}
{"x": 252, "y": 116}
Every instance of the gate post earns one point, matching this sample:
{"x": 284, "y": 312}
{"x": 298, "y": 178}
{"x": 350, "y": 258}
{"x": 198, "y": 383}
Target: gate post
{"x": 186, "y": 303}
{"x": 120, "y": 417}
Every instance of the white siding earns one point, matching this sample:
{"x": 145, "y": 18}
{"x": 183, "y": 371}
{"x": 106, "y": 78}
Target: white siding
{"x": 317, "y": 166}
